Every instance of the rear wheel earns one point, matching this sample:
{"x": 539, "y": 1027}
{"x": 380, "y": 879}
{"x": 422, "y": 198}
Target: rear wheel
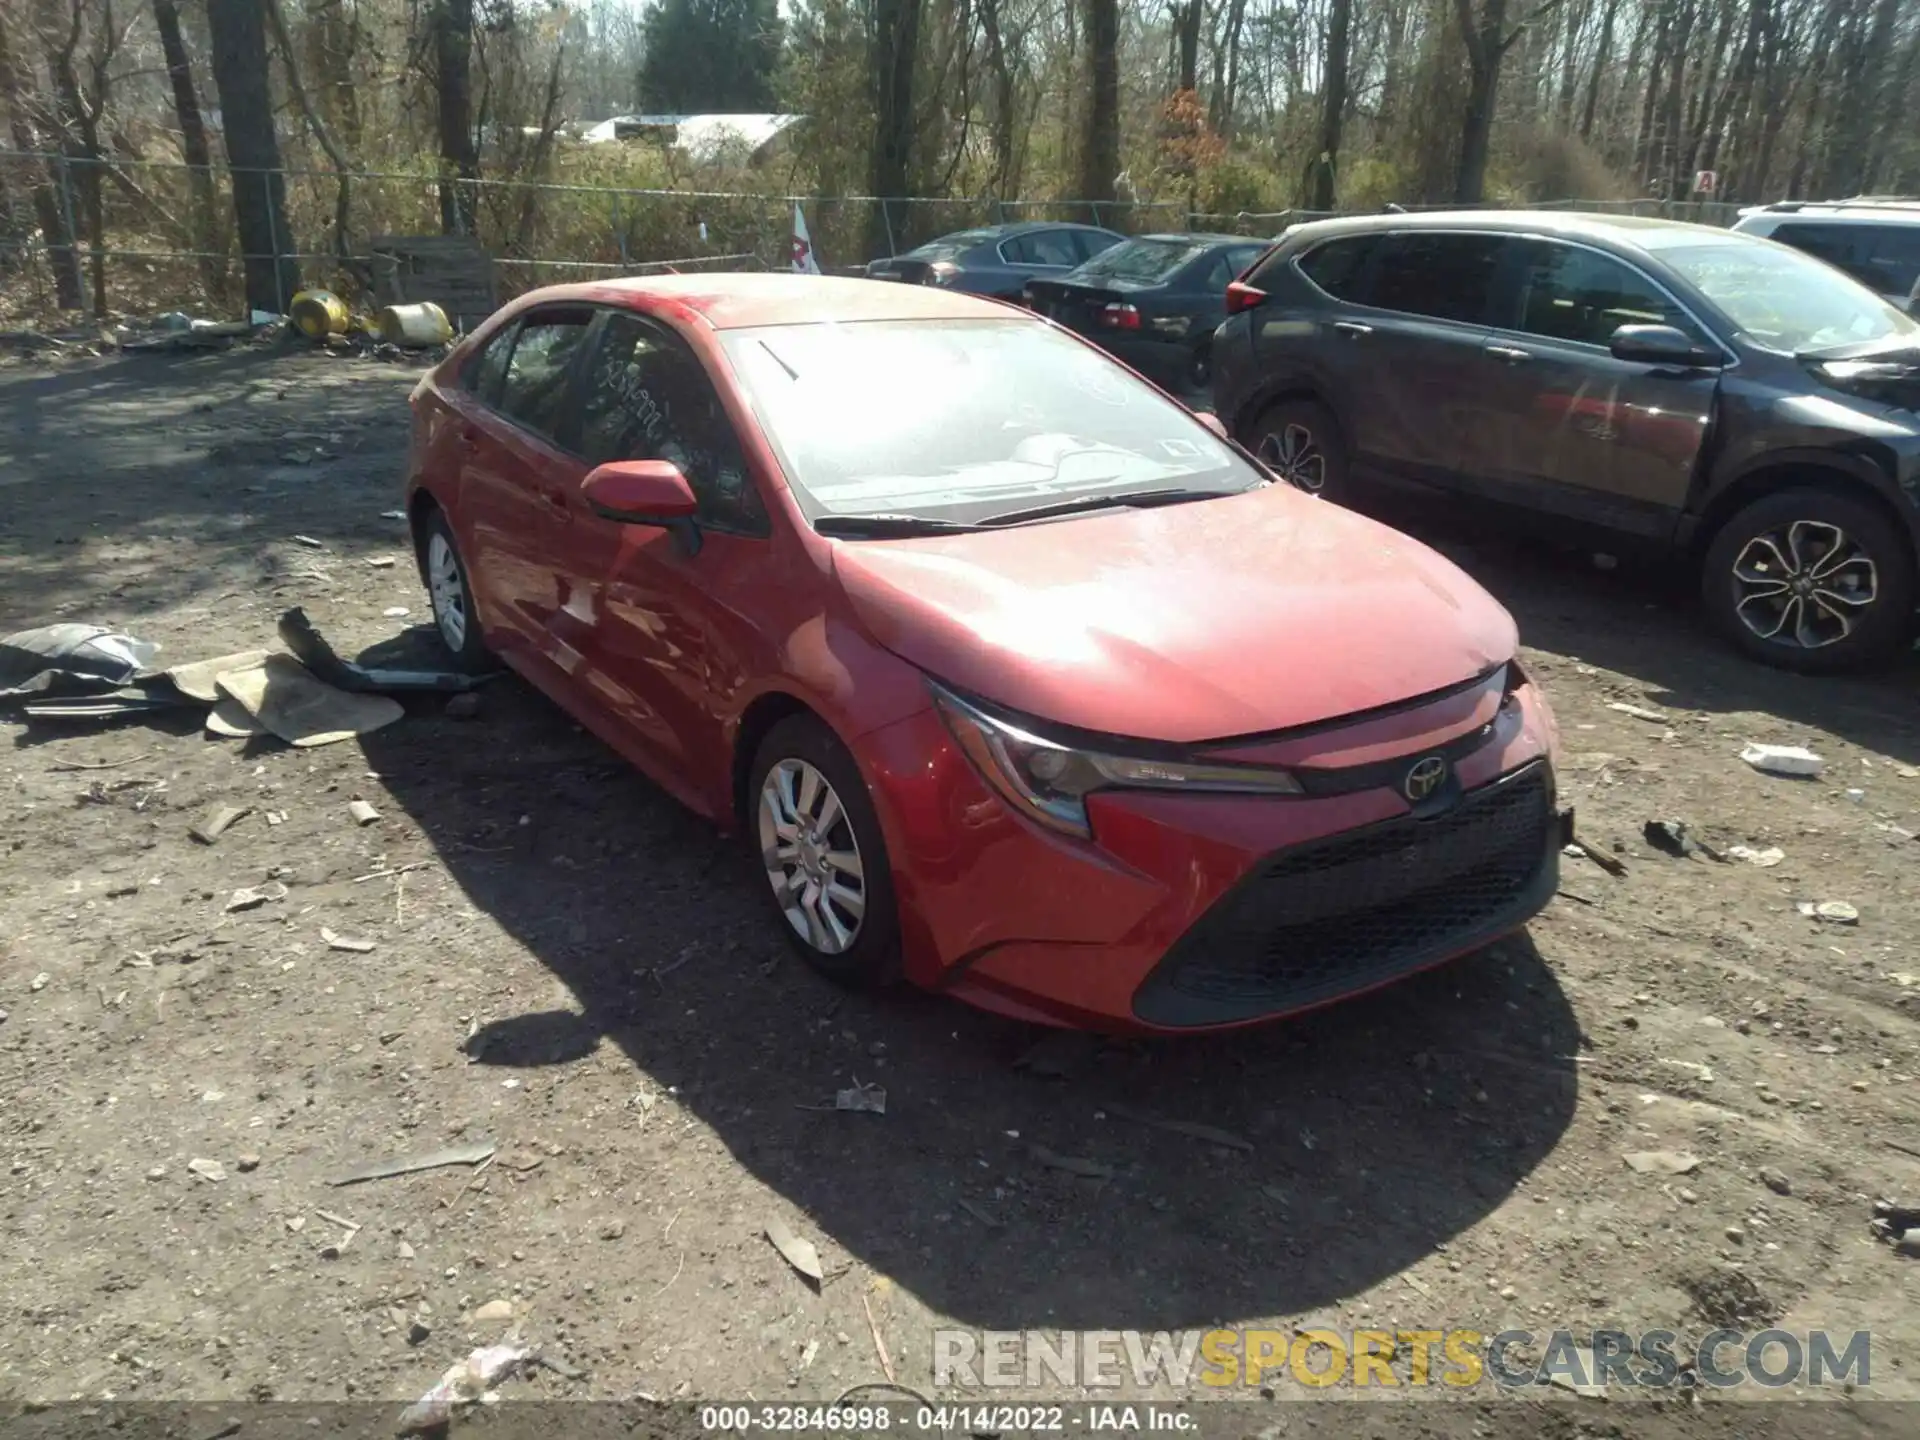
{"x": 451, "y": 594}
{"x": 825, "y": 860}
{"x": 1200, "y": 366}
{"x": 1811, "y": 581}
{"x": 1299, "y": 441}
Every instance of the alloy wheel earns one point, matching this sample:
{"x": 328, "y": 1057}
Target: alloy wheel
{"x": 448, "y": 592}
{"x": 1292, "y": 453}
{"x": 812, "y": 856}
{"x": 1806, "y": 585}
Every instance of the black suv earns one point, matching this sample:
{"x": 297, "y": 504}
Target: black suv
{"x": 1724, "y": 398}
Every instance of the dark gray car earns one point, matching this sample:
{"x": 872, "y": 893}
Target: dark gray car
{"x": 997, "y": 260}
{"x": 1721, "y": 398}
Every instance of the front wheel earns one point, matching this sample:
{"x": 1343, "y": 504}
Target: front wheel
{"x": 1299, "y": 441}
{"x": 1811, "y": 581}
{"x": 822, "y": 853}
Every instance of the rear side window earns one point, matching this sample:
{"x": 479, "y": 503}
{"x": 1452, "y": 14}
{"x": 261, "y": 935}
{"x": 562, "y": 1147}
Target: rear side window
{"x": 1885, "y": 258}
{"x": 483, "y": 375}
{"x": 535, "y": 392}
{"x": 1336, "y": 267}
{"x": 1042, "y": 247}
{"x": 1447, "y": 277}
{"x": 1569, "y": 293}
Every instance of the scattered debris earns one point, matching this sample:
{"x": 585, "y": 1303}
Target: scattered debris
{"x": 209, "y": 1170}
{"x": 230, "y": 721}
{"x": 1672, "y": 837}
{"x": 1832, "y": 912}
{"x": 1775, "y": 1181}
{"x": 1793, "y": 760}
{"x": 1072, "y": 1164}
{"x": 418, "y": 1332}
{"x": 283, "y": 696}
{"x": 1640, "y": 712}
{"x": 1612, "y": 865}
{"x": 217, "y": 821}
{"x": 395, "y": 612}
{"x": 256, "y": 896}
{"x": 71, "y": 659}
{"x": 1661, "y": 1162}
{"x": 65, "y": 765}
{"x": 362, "y": 812}
{"x": 381, "y": 562}
{"x": 493, "y": 1312}
{"x": 386, "y": 1169}
{"x": 246, "y": 1162}
{"x": 198, "y": 681}
{"x": 305, "y": 642}
{"x": 1702, "y": 1073}
{"x": 464, "y": 1384}
{"x": 1191, "y": 1128}
{"x": 1766, "y": 859}
{"x": 797, "y": 1251}
{"x": 39, "y": 982}
{"x": 345, "y": 942}
{"x": 879, "y": 1345}
{"x": 309, "y": 542}
{"x": 866, "y": 1099}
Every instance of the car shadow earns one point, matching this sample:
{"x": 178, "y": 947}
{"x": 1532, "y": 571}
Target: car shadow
{"x": 1639, "y": 616}
{"x": 1375, "y": 1130}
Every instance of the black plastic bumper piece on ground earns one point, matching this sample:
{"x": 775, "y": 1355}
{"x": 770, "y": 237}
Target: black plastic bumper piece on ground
{"x": 1321, "y": 920}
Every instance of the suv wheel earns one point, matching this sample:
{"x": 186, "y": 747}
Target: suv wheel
{"x": 1811, "y": 581}
{"x": 1299, "y": 441}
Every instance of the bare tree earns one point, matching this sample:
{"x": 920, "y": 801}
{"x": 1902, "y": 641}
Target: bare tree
{"x": 253, "y": 152}
{"x": 51, "y": 209}
{"x": 193, "y": 143}
{"x": 1100, "y": 144}
{"x": 452, "y": 25}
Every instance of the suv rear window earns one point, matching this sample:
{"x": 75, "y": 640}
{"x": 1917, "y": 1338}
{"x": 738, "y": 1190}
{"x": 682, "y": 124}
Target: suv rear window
{"x": 1447, "y": 277}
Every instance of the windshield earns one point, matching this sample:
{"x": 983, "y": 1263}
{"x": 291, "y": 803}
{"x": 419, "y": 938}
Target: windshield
{"x": 1145, "y": 260}
{"x": 1785, "y": 300}
{"x": 948, "y": 246}
{"x": 963, "y": 420}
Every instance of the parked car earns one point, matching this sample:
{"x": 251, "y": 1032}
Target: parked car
{"x": 1153, "y": 301}
{"x": 996, "y": 260}
{"x": 1728, "y": 401}
{"x": 1017, "y": 678}
{"x": 1877, "y": 242}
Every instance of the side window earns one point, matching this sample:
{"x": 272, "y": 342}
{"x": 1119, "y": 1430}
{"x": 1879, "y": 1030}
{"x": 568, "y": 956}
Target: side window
{"x": 1568, "y": 293}
{"x": 648, "y": 398}
{"x": 1089, "y": 243}
{"x": 1042, "y": 247}
{"x": 1885, "y": 257}
{"x": 1336, "y": 266}
{"x": 535, "y": 392}
{"x": 1448, "y": 277}
{"x": 1218, "y": 272}
{"x": 485, "y": 371}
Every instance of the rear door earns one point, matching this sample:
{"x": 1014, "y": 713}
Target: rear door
{"x": 1034, "y": 255}
{"x": 1402, "y": 353}
{"x": 1569, "y": 429}
{"x": 515, "y": 474}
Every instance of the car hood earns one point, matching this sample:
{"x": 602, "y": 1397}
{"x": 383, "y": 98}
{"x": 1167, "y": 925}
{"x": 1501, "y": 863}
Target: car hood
{"x": 1190, "y": 622}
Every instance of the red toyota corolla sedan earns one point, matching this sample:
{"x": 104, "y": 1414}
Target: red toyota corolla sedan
{"x": 1022, "y": 682}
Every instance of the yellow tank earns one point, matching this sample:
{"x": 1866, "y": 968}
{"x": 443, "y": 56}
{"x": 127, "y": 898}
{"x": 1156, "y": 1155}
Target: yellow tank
{"x": 319, "y": 313}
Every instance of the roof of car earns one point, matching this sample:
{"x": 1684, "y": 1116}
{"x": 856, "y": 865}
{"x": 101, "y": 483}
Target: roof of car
{"x": 1631, "y": 230}
{"x": 1202, "y": 237}
{"x": 735, "y": 301}
{"x": 1867, "y": 212}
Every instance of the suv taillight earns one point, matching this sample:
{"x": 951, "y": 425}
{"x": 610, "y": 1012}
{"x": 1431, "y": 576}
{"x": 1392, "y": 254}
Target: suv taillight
{"x": 1242, "y": 297}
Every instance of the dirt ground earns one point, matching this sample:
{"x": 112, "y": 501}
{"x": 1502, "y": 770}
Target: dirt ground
{"x": 568, "y": 965}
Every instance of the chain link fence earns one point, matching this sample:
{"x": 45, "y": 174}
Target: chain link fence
{"x": 139, "y": 237}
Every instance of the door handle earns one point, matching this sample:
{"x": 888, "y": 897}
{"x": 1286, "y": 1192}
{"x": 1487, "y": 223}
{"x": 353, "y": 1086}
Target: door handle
{"x": 1352, "y": 327}
{"x": 1512, "y": 354}
{"x": 469, "y": 439}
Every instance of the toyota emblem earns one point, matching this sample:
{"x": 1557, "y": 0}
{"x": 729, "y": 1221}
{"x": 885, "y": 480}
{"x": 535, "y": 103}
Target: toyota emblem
{"x": 1424, "y": 778}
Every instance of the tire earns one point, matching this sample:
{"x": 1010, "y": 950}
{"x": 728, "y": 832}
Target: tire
{"x": 1812, "y": 581}
{"x": 1199, "y": 374}
{"x": 852, "y": 943}
{"x": 451, "y": 595}
{"x": 1299, "y": 441}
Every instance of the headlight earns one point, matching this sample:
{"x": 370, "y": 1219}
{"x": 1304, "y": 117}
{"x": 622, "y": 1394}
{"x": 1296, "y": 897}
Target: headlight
{"x": 1050, "y": 782}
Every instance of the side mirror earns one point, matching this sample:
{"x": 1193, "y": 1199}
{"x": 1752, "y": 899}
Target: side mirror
{"x": 1662, "y": 345}
{"x": 1213, "y": 423}
{"x": 640, "y": 492}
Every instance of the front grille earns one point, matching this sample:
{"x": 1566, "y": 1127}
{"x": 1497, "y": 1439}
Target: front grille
{"x": 1319, "y": 920}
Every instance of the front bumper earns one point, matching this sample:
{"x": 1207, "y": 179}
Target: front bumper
{"x": 1192, "y": 912}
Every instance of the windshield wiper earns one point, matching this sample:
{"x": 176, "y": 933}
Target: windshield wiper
{"x": 1101, "y": 502}
{"x": 864, "y": 527}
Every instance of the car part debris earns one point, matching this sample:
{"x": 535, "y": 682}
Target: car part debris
{"x": 287, "y": 699}
{"x": 1833, "y": 912}
{"x": 464, "y": 1384}
{"x": 140, "y": 698}
{"x": 1766, "y": 859}
{"x": 798, "y": 1252}
{"x": 1606, "y": 862}
{"x": 71, "y": 659}
{"x": 362, "y": 812}
{"x": 1672, "y": 837}
{"x": 197, "y": 681}
{"x": 229, "y": 720}
{"x": 1793, "y": 760}
{"x": 866, "y": 1099}
{"x": 209, "y": 1170}
{"x": 439, "y": 1159}
{"x": 256, "y": 896}
{"x": 297, "y": 632}
{"x": 345, "y": 942}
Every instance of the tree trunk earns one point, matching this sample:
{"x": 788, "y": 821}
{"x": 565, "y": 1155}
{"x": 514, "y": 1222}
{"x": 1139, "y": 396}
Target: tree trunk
{"x": 1865, "y": 118}
{"x": 1100, "y": 152}
{"x": 453, "y": 76}
{"x": 896, "y": 41}
{"x": 1004, "y": 117}
{"x": 1226, "y": 72}
{"x": 253, "y": 152}
{"x": 193, "y": 146}
{"x": 1739, "y": 87}
{"x": 1601, "y": 51}
{"x": 1485, "y": 49}
{"x": 1333, "y": 104}
{"x": 50, "y": 212}
{"x": 1186, "y": 32}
